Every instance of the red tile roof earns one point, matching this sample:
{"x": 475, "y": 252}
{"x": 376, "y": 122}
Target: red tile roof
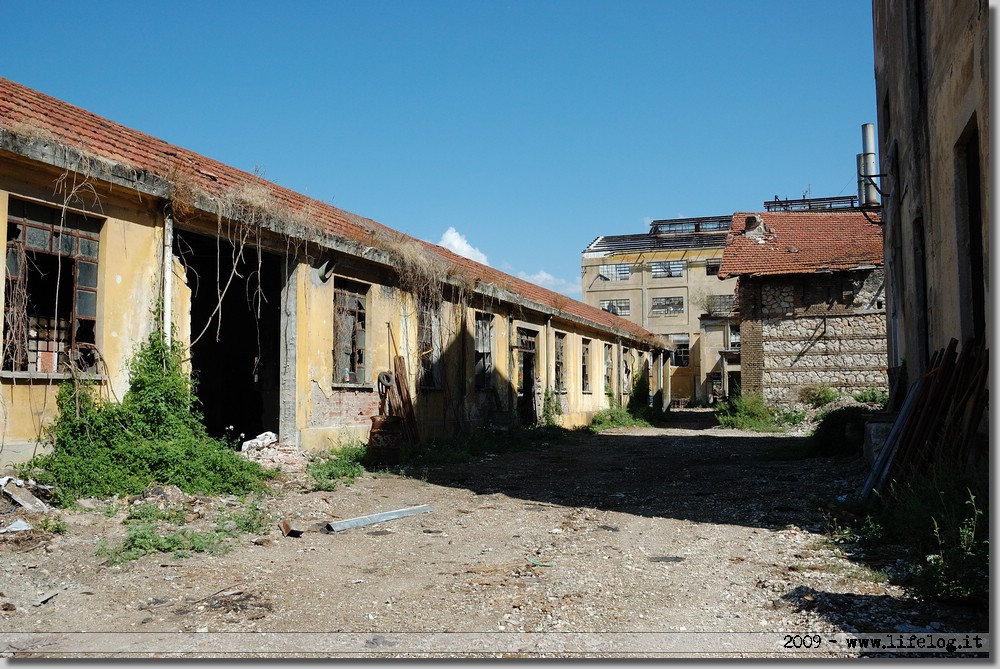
{"x": 29, "y": 114}
{"x": 801, "y": 242}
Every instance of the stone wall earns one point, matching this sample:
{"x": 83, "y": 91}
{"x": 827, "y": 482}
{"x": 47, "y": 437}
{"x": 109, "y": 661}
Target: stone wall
{"x": 809, "y": 330}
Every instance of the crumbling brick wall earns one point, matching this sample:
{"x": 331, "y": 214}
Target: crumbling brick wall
{"x": 803, "y": 331}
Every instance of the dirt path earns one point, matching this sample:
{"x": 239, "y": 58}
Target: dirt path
{"x": 683, "y": 540}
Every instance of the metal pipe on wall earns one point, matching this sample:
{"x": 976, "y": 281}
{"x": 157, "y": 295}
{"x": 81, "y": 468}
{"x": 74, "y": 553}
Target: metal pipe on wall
{"x": 168, "y": 276}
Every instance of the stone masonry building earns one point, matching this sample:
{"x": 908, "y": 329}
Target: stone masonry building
{"x": 810, "y": 300}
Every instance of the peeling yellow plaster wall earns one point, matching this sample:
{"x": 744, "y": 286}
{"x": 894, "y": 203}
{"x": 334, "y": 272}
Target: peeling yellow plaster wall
{"x": 128, "y": 282}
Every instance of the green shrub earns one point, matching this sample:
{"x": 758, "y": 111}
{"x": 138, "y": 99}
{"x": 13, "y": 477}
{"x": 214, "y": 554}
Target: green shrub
{"x": 143, "y": 538}
{"x": 342, "y": 464}
{"x": 748, "y": 411}
{"x": 872, "y": 396}
{"x": 154, "y": 435}
{"x": 616, "y": 416}
{"x": 818, "y": 396}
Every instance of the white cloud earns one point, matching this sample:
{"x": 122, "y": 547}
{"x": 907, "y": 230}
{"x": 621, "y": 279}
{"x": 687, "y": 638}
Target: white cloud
{"x": 542, "y": 278}
{"x": 455, "y": 241}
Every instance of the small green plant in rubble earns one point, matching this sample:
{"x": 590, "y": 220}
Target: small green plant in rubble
{"x": 341, "y": 464}
{"x": 151, "y": 529}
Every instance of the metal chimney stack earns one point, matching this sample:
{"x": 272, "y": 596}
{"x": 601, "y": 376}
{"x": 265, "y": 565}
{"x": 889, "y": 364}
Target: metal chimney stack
{"x": 867, "y": 193}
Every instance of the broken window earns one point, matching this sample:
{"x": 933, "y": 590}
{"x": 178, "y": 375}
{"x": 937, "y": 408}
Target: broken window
{"x": 349, "y": 327}
{"x": 50, "y": 308}
{"x": 560, "y": 366}
{"x": 429, "y": 344}
{"x": 667, "y": 306}
{"x": 618, "y": 307}
{"x": 484, "y": 351}
{"x": 720, "y": 304}
{"x": 712, "y": 267}
{"x": 681, "y": 357}
{"x": 619, "y": 272}
{"x": 734, "y": 336}
{"x": 710, "y": 226}
{"x": 608, "y": 369}
{"x": 677, "y": 227}
{"x": 664, "y": 269}
{"x": 585, "y": 365}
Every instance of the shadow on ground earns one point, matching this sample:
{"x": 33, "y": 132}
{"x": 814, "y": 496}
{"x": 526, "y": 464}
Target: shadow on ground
{"x": 688, "y": 471}
{"x": 683, "y": 471}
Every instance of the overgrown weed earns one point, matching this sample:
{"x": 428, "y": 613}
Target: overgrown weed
{"x": 345, "y": 463}
{"x": 749, "y": 411}
{"x": 872, "y": 395}
{"x": 145, "y": 533}
{"x": 818, "y": 395}
{"x": 940, "y": 515}
{"x": 153, "y": 436}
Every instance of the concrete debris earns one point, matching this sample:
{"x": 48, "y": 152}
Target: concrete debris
{"x": 17, "y": 526}
{"x": 44, "y": 599}
{"x": 16, "y": 490}
{"x": 270, "y": 453}
{"x": 164, "y": 496}
{"x": 263, "y": 440}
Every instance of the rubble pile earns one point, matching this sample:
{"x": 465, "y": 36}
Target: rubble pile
{"x": 266, "y": 450}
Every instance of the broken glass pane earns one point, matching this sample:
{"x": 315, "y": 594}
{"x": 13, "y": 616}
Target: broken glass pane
{"x": 86, "y": 303}
{"x": 87, "y": 274}
{"x": 66, "y": 243}
{"x": 38, "y": 238}
{"x": 13, "y": 262}
{"x": 88, "y": 248}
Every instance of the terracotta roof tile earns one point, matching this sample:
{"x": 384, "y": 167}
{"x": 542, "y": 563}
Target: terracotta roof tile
{"x": 29, "y": 113}
{"x": 801, "y": 242}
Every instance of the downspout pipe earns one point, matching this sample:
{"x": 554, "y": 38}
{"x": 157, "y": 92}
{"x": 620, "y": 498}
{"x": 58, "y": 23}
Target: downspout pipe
{"x": 168, "y": 276}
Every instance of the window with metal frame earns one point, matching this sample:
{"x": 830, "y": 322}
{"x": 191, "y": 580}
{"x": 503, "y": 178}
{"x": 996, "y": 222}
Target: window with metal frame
{"x": 484, "y": 351}
{"x": 720, "y": 304}
{"x": 681, "y": 357}
{"x": 665, "y": 269}
{"x": 667, "y": 306}
{"x": 712, "y": 267}
{"x": 51, "y": 289}
{"x": 560, "y": 362}
{"x": 618, "y": 272}
{"x": 429, "y": 344}
{"x": 585, "y": 365}
{"x": 619, "y": 307}
{"x": 734, "y": 336}
{"x": 350, "y": 354}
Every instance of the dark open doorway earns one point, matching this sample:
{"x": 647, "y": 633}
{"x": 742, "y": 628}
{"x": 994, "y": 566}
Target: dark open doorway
{"x": 235, "y": 354}
{"x": 526, "y": 377}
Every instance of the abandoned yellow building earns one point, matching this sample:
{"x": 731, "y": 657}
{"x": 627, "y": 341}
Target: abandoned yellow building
{"x": 667, "y": 281}
{"x": 297, "y": 316}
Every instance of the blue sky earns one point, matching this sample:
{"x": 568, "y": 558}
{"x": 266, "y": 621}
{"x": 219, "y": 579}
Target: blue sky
{"x": 519, "y": 131}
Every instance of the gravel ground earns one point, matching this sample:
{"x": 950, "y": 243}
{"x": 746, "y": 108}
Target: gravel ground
{"x": 643, "y": 542}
